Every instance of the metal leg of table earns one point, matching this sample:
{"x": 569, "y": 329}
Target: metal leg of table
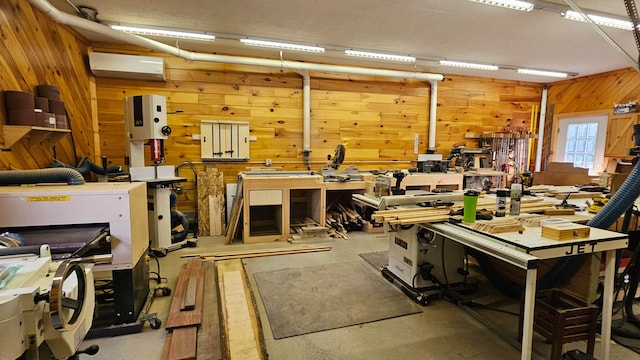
{"x": 607, "y": 303}
{"x": 527, "y": 323}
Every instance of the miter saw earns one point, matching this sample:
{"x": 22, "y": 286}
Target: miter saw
{"x": 46, "y": 307}
{"x": 330, "y": 171}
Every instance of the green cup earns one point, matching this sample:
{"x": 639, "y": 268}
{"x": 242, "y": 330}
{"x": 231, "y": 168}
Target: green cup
{"x": 470, "y": 204}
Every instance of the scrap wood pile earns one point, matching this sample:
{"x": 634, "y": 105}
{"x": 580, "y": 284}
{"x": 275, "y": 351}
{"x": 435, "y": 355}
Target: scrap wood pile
{"x": 306, "y": 228}
{"x": 341, "y": 219}
{"x": 416, "y": 215}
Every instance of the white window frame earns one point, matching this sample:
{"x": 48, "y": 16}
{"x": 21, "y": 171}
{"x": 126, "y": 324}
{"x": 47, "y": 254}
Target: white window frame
{"x": 561, "y": 122}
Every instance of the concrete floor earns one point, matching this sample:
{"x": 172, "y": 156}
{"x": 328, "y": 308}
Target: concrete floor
{"x": 442, "y": 331}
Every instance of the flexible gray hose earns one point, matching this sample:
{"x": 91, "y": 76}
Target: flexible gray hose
{"x": 50, "y": 175}
{"x": 619, "y": 202}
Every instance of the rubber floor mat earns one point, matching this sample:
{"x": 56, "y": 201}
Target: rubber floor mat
{"x": 318, "y": 298}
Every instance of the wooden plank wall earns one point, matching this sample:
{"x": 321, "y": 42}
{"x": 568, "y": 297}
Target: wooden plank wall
{"x": 35, "y": 51}
{"x": 377, "y": 118}
{"x": 591, "y": 93}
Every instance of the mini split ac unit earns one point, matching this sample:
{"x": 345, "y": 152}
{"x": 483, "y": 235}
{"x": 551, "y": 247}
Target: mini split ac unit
{"x": 127, "y": 66}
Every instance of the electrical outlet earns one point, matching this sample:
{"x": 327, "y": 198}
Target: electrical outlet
{"x": 195, "y": 136}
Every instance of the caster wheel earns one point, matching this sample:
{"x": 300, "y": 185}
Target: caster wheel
{"x": 155, "y": 323}
{"x": 166, "y": 291}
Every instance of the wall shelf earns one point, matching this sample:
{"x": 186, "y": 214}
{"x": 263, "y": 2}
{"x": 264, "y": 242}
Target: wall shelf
{"x": 35, "y": 134}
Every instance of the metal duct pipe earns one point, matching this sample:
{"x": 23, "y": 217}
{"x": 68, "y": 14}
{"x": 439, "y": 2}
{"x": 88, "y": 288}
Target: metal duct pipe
{"x": 433, "y": 104}
{"x": 306, "y": 117}
{"x": 77, "y": 22}
{"x": 50, "y": 175}
{"x": 67, "y": 19}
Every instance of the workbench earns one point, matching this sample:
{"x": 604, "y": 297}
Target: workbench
{"x": 526, "y": 249}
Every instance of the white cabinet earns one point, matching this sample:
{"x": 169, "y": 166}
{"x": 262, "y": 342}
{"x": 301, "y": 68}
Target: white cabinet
{"x": 224, "y": 140}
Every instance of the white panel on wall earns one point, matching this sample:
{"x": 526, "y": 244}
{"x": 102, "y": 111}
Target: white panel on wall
{"x": 224, "y": 140}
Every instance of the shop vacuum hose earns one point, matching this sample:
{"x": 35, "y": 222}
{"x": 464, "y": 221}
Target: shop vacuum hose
{"x": 50, "y": 175}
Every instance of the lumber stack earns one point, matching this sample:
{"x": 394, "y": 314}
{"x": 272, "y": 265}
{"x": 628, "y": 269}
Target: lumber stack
{"x": 411, "y": 216}
{"x": 341, "y": 219}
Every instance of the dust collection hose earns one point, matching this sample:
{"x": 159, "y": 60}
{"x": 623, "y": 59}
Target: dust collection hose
{"x": 622, "y": 200}
{"x": 86, "y": 166}
{"x": 50, "y": 175}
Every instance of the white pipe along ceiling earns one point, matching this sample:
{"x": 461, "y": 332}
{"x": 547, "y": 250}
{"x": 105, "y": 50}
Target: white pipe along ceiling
{"x": 300, "y": 67}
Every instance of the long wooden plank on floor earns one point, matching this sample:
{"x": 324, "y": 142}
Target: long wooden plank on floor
{"x": 239, "y": 316}
{"x": 209, "y": 345}
{"x": 260, "y": 252}
{"x": 167, "y": 346}
{"x": 183, "y": 343}
{"x": 176, "y": 317}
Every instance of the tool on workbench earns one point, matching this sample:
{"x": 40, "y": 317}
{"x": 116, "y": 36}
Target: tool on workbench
{"x": 482, "y": 214}
{"x": 435, "y": 203}
{"x": 598, "y": 203}
{"x": 565, "y": 204}
{"x": 526, "y": 177}
{"x": 398, "y": 175}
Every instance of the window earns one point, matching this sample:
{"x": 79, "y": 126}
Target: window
{"x": 581, "y": 142}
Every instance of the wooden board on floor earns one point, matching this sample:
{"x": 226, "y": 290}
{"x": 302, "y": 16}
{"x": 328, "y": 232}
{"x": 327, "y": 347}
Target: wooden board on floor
{"x": 240, "y": 318}
{"x": 236, "y": 212}
{"x": 265, "y": 252}
{"x": 183, "y": 343}
{"x": 178, "y": 318}
{"x": 209, "y": 345}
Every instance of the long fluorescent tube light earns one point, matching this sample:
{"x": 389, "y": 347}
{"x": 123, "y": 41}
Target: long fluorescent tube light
{"x": 469, "y": 65}
{"x": 379, "y": 56}
{"x": 281, "y": 45}
{"x": 165, "y": 33}
{"x": 510, "y": 4}
{"x": 600, "y": 20}
{"x": 543, "y": 73}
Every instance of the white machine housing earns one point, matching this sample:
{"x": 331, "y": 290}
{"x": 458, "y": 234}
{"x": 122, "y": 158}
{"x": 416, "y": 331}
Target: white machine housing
{"x": 146, "y": 119}
{"x": 408, "y": 252}
{"x": 25, "y": 324}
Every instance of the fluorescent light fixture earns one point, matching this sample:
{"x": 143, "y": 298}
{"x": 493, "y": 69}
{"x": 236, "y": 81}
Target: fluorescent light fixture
{"x": 510, "y": 4}
{"x": 379, "y": 56}
{"x": 468, "y": 65}
{"x": 543, "y": 73}
{"x": 600, "y": 20}
{"x": 281, "y": 45}
{"x": 164, "y": 33}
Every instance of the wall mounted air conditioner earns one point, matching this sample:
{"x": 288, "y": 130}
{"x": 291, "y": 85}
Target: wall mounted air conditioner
{"x": 127, "y": 66}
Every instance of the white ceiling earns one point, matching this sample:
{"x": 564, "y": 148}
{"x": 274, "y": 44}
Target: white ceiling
{"x": 427, "y": 29}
